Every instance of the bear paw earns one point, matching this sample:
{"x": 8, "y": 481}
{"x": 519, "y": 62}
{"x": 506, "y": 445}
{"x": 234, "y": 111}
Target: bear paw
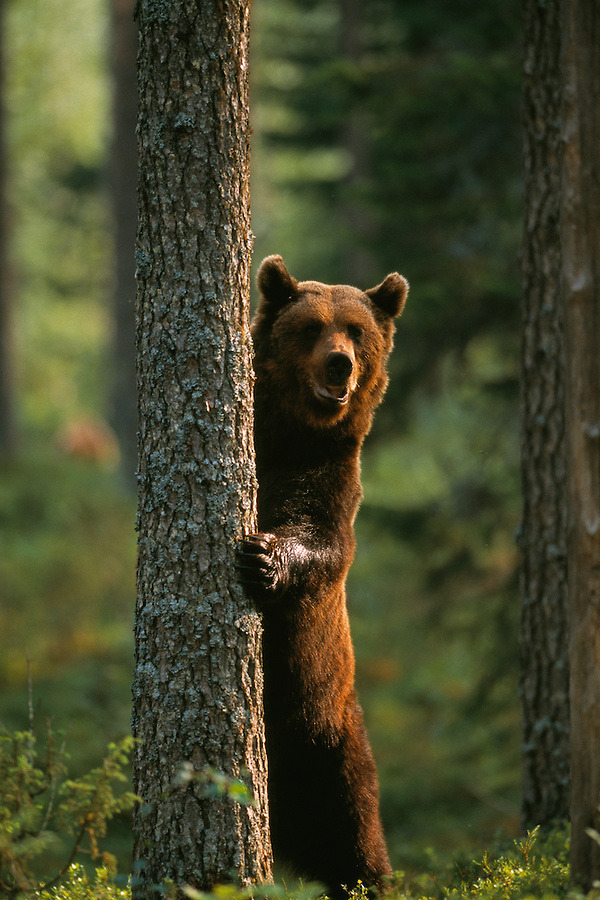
{"x": 258, "y": 565}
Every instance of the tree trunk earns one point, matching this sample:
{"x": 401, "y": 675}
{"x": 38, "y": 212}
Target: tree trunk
{"x": 544, "y": 589}
{"x": 580, "y": 229}
{"x": 7, "y": 410}
{"x": 198, "y": 676}
{"x": 123, "y": 181}
{"x": 359, "y": 259}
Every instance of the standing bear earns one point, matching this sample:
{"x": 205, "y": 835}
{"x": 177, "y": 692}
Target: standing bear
{"x": 320, "y": 360}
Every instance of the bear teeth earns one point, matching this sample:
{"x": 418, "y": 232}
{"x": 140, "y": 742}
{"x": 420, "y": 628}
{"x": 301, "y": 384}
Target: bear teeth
{"x": 337, "y": 399}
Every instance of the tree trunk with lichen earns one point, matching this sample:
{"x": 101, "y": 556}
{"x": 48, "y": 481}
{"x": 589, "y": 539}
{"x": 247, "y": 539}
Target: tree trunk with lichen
{"x": 543, "y": 538}
{"x": 580, "y": 235}
{"x": 198, "y": 677}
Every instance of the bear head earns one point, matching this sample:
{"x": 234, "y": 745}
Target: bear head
{"x": 321, "y": 350}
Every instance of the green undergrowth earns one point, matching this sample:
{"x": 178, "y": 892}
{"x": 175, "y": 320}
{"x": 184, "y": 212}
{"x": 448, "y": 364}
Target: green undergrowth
{"x": 532, "y": 868}
{"x": 49, "y": 819}
{"x": 53, "y": 831}
{"x": 535, "y": 866}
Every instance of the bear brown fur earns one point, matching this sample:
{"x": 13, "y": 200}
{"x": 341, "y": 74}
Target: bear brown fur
{"x": 320, "y": 361}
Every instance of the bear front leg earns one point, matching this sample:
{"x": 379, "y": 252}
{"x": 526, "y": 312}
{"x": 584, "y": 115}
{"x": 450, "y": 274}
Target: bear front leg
{"x": 273, "y": 564}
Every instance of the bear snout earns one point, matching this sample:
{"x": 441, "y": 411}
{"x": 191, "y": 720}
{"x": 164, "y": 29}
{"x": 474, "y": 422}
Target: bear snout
{"x": 338, "y": 368}
{"x": 338, "y": 379}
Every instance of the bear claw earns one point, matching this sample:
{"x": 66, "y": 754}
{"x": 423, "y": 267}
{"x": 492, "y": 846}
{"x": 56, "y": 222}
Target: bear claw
{"x": 257, "y": 566}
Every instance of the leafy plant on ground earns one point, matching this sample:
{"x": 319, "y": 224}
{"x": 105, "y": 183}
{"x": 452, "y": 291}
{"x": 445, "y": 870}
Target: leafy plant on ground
{"x": 532, "y": 868}
{"x": 79, "y": 885}
{"x": 44, "y": 815}
{"x": 535, "y": 867}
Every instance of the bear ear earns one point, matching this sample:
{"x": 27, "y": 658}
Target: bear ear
{"x": 390, "y": 295}
{"x": 275, "y": 282}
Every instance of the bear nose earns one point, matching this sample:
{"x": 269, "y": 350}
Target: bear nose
{"x": 338, "y": 367}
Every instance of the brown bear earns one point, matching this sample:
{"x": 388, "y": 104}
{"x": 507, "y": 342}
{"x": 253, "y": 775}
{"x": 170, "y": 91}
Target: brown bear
{"x": 320, "y": 361}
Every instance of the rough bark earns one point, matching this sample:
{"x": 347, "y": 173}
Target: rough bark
{"x": 544, "y": 586}
{"x": 123, "y": 182}
{"x": 198, "y": 675}
{"x": 580, "y": 232}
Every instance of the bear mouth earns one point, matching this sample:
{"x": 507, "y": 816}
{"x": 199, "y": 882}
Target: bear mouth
{"x": 333, "y": 396}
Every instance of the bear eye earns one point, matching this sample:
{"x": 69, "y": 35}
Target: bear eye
{"x": 355, "y": 332}
{"x": 312, "y": 330}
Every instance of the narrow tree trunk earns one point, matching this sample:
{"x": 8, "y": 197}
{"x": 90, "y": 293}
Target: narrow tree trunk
{"x": 544, "y": 589}
{"x": 359, "y": 258}
{"x": 7, "y": 408}
{"x": 123, "y": 182}
{"x": 580, "y": 227}
{"x": 198, "y": 676}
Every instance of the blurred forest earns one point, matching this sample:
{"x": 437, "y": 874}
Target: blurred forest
{"x": 386, "y": 136}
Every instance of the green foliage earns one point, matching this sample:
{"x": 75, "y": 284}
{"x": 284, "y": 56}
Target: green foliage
{"x": 391, "y": 136}
{"x": 43, "y": 813}
{"x": 79, "y": 885}
{"x": 533, "y": 867}
{"x": 67, "y": 566}
{"x": 214, "y": 783}
{"x": 67, "y": 570}
{"x": 255, "y": 892}
{"x": 57, "y": 126}
{"x": 103, "y": 885}
{"x": 435, "y": 613}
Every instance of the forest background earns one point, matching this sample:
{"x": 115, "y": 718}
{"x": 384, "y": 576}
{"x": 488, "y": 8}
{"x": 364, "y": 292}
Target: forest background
{"x": 386, "y": 137}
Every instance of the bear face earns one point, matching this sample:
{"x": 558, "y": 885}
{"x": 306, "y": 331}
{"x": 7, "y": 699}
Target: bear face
{"x": 322, "y": 346}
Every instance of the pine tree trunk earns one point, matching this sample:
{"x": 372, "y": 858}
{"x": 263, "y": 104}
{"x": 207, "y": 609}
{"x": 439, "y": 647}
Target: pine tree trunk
{"x": 198, "y": 676}
{"x": 7, "y": 408}
{"x": 544, "y": 588}
{"x": 355, "y": 139}
{"x": 123, "y": 181}
{"x": 580, "y": 229}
